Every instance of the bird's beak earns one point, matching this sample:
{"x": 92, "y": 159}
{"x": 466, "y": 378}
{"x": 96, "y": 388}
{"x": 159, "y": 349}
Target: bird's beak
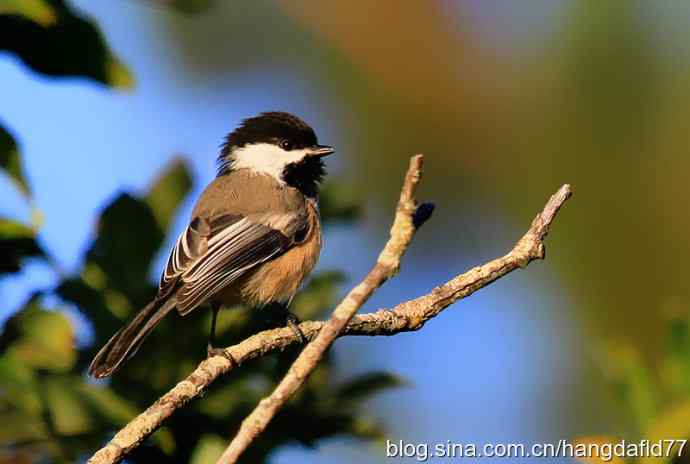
{"x": 320, "y": 150}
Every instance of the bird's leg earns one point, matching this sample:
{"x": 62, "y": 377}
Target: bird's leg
{"x": 211, "y": 350}
{"x": 293, "y": 322}
{"x": 215, "y": 307}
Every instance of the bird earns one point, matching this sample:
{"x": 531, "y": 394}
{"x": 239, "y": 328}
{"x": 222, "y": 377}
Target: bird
{"x": 253, "y": 237}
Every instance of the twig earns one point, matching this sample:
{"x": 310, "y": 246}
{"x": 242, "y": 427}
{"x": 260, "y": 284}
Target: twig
{"x": 386, "y": 266}
{"x": 408, "y": 316}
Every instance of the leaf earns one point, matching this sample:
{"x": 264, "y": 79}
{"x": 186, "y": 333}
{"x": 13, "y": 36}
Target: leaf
{"x": 192, "y": 6}
{"x": 10, "y": 161}
{"x": 118, "y": 75}
{"x": 118, "y": 411}
{"x": 17, "y": 242}
{"x": 128, "y": 238}
{"x": 366, "y": 385}
{"x": 673, "y": 423}
{"x": 632, "y": 380}
{"x": 40, "y": 339}
{"x": 676, "y": 366}
{"x": 18, "y": 385}
{"x": 130, "y": 232}
{"x": 38, "y": 11}
{"x": 168, "y": 190}
{"x": 317, "y": 421}
{"x": 237, "y": 395}
{"x": 69, "y": 46}
{"x": 68, "y": 409}
{"x": 17, "y": 427}
{"x": 108, "y": 403}
{"x": 319, "y": 294}
{"x": 13, "y": 229}
{"x": 92, "y": 303}
{"x": 601, "y": 443}
{"x": 339, "y": 201}
{"x": 209, "y": 449}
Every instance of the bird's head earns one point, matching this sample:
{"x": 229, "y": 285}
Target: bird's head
{"x": 276, "y": 144}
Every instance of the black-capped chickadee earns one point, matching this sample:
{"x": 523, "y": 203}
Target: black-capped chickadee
{"x": 254, "y": 234}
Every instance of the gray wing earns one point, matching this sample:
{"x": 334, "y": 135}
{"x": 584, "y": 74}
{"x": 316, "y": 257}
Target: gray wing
{"x": 212, "y": 252}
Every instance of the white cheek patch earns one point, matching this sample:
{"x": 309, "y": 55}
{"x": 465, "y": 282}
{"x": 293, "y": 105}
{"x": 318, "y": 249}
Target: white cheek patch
{"x": 266, "y": 158}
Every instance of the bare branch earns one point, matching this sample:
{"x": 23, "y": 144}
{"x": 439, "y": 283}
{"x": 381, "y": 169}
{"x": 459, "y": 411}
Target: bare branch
{"x": 408, "y": 316}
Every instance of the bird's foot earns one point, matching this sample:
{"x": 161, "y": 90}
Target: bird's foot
{"x": 293, "y": 322}
{"x": 212, "y": 351}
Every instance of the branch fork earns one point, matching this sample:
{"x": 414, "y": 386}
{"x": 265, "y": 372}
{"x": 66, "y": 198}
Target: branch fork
{"x": 405, "y": 317}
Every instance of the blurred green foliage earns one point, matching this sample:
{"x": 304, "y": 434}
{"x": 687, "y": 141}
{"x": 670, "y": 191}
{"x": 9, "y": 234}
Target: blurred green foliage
{"x": 49, "y": 410}
{"x": 10, "y": 162}
{"x": 52, "y": 39}
{"x": 654, "y": 399}
{"x": 38, "y": 11}
{"x": 191, "y": 6}
{"x": 17, "y": 242}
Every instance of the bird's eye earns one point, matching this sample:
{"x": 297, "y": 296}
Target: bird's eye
{"x": 285, "y": 144}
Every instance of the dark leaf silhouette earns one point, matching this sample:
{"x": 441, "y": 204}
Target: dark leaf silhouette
{"x": 10, "y": 161}
{"x": 338, "y": 201}
{"x": 368, "y": 384}
{"x": 38, "y": 11}
{"x": 69, "y": 45}
{"x": 128, "y": 237}
{"x": 17, "y": 242}
{"x": 168, "y": 191}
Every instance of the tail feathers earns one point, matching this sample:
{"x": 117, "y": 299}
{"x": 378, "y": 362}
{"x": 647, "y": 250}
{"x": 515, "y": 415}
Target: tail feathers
{"x": 126, "y": 341}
